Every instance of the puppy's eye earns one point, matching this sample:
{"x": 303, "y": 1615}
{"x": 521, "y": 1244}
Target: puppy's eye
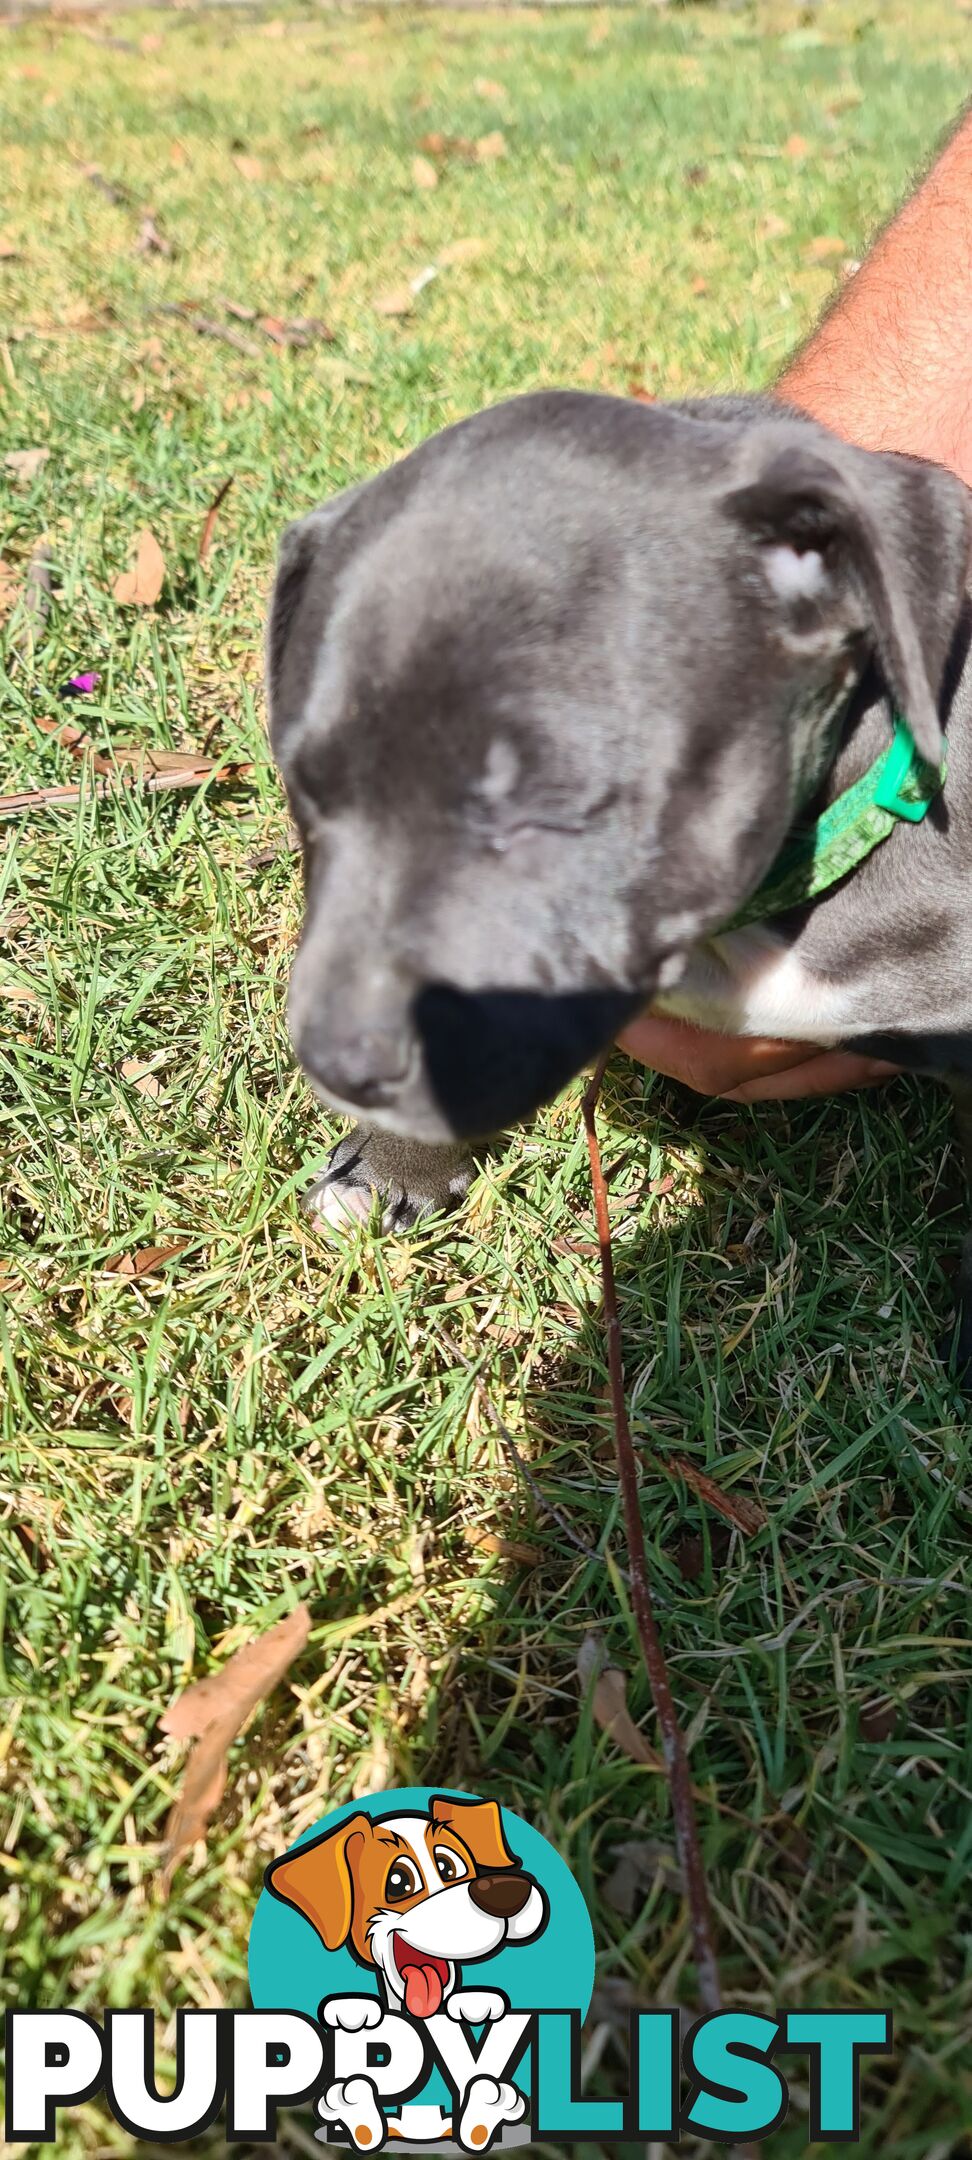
{"x": 402, "y": 1882}
{"x": 451, "y": 1866}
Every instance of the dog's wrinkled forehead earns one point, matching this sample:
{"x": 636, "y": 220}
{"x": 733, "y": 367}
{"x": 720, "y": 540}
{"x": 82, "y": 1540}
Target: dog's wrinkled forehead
{"x": 500, "y": 608}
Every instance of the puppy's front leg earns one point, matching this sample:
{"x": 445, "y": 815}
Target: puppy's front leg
{"x": 410, "y": 1180}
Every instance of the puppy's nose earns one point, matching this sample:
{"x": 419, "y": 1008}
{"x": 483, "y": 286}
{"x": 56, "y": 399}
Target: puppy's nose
{"x": 500, "y": 1895}
{"x": 363, "y": 1068}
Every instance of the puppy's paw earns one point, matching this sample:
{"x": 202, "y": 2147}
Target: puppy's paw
{"x": 476, "y": 2006}
{"x": 351, "y": 2013}
{"x": 487, "y": 2105}
{"x": 354, "y": 2102}
{"x": 409, "y": 1179}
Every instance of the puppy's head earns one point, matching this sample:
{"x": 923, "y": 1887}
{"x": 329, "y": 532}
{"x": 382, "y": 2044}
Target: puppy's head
{"x": 546, "y": 696}
{"x": 415, "y": 1896}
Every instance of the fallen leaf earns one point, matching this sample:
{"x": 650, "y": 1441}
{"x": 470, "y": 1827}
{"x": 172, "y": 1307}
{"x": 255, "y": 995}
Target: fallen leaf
{"x": 486, "y": 88}
{"x": 695, "y": 175}
{"x": 424, "y": 173}
{"x": 824, "y": 246}
{"x": 141, "y": 1075}
{"x": 747, "y": 1515}
{"x": 699, "y": 285}
{"x": 141, "y": 586}
{"x": 486, "y": 1541}
{"x": 490, "y": 147}
{"x": 609, "y": 1702}
{"x": 9, "y": 589}
{"x": 115, "y": 190}
{"x": 399, "y": 300}
{"x": 637, "y": 1862}
{"x": 844, "y": 100}
{"x": 644, "y": 397}
{"x": 462, "y": 251}
{"x": 9, "y": 251}
{"x": 211, "y": 1713}
{"x": 20, "y": 994}
{"x": 879, "y": 1721}
{"x": 796, "y": 146}
{"x": 251, "y": 168}
{"x": 145, "y": 1260}
{"x": 295, "y": 330}
{"x": 690, "y": 1556}
{"x": 150, "y": 240}
{"x": 25, "y": 463}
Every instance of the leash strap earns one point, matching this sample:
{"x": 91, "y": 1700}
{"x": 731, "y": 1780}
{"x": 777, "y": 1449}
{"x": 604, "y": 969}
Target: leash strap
{"x": 901, "y": 785}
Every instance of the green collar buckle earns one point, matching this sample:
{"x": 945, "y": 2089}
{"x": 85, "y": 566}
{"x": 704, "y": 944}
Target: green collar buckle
{"x": 901, "y": 784}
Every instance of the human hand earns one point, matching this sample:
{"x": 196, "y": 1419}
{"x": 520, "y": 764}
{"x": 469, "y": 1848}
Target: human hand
{"x": 746, "y": 1068}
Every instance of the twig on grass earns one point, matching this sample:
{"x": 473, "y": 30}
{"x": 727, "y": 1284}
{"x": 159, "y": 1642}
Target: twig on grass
{"x": 204, "y": 326}
{"x": 210, "y": 519}
{"x": 673, "y": 1744}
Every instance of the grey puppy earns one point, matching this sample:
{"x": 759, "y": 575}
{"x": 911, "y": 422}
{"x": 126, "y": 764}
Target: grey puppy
{"x": 547, "y": 697}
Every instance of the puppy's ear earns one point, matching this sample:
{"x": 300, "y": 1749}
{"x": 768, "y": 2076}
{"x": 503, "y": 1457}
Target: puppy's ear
{"x": 318, "y": 1879}
{"x": 480, "y": 1826}
{"x": 312, "y": 552}
{"x": 852, "y": 540}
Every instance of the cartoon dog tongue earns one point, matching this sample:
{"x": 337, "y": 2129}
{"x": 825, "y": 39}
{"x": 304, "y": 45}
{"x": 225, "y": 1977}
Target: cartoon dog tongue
{"x": 424, "y": 1980}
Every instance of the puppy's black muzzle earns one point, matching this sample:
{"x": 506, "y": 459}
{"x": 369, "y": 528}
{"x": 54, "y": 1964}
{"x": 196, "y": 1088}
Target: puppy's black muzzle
{"x": 494, "y": 1056}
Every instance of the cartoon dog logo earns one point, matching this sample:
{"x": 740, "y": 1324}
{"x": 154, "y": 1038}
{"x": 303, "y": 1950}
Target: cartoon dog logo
{"x": 416, "y": 1897}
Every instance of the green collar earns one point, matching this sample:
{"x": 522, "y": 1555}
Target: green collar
{"x": 899, "y": 785}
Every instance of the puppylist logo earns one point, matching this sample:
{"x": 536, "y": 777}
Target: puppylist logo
{"x": 421, "y": 1964}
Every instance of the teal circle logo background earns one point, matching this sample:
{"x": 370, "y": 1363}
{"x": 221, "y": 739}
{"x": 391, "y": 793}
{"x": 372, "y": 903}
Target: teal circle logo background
{"x": 290, "y": 1969}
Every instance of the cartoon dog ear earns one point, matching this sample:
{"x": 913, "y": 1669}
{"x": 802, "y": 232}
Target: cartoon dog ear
{"x": 479, "y": 1824}
{"x": 855, "y": 540}
{"x": 317, "y": 1879}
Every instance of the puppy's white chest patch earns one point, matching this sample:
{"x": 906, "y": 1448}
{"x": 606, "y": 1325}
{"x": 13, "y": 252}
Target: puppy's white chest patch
{"x": 749, "y": 982}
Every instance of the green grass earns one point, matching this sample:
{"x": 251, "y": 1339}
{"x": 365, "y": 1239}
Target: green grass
{"x": 272, "y": 1418}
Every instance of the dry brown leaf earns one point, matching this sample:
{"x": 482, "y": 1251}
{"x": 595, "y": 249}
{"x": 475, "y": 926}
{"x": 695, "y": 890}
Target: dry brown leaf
{"x": 9, "y": 589}
{"x": 399, "y": 300}
{"x": 141, "y": 586}
{"x": 212, "y": 1713}
{"x": 20, "y": 994}
{"x": 644, "y": 396}
{"x": 145, "y": 1260}
{"x": 490, "y": 147}
{"x": 486, "y": 1541}
{"x": 796, "y": 146}
{"x": 462, "y": 251}
{"x": 824, "y": 246}
{"x": 424, "y": 174}
{"x": 251, "y": 168}
{"x": 609, "y": 1702}
{"x": 25, "y": 463}
{"x": 141, "y": 1075}
{"x": 747, "y": 1515}
{"x": 150, "y": 240}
